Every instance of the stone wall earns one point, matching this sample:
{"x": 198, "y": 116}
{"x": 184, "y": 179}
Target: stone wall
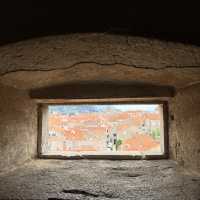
{"x": 47, "y": 62}
{"x": 184, "y": 132}
{"x": 18, "y": 128}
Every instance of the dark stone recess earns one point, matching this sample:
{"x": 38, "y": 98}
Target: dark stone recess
{"x": 177, "y": 21}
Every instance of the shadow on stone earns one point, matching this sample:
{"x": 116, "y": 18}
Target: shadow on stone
{"x": 82, "y": 192}
{"x": 85, "y": 193}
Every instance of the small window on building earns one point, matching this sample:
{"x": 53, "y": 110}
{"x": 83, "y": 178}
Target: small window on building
{"x": 124, "y": 129}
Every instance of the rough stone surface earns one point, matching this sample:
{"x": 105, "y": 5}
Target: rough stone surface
{"x": 185, "y": 127}
{"x": 98, "y": 57}
{"x": 18, "y": 128}
{"x": 83, "y": 179}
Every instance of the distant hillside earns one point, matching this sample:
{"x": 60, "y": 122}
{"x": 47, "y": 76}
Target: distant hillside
{"x": 74, "y": 109}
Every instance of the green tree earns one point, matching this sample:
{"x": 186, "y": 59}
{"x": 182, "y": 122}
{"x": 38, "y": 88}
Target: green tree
{"x": 155, "y": 133}
{"x": 118, "y": 143}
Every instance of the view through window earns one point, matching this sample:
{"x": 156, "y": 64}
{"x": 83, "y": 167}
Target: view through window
{"x": 106, "y": 129}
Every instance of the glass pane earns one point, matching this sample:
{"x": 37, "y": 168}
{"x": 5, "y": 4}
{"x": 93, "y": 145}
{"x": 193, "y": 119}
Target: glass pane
{"x": 113, "y": 129}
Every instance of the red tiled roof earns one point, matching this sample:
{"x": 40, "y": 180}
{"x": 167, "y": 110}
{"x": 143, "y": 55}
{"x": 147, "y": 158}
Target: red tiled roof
{"x": 139, "y": 143}
{"x": 74, "y": 134}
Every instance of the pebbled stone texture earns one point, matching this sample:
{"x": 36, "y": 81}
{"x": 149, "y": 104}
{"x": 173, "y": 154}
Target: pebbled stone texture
{"x": 95, "y": 179}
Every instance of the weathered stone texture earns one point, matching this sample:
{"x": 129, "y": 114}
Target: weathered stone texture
{"x": 18, "y": 128}
{"x": 185, "y": 127}
{"x": 98, "y": 57}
